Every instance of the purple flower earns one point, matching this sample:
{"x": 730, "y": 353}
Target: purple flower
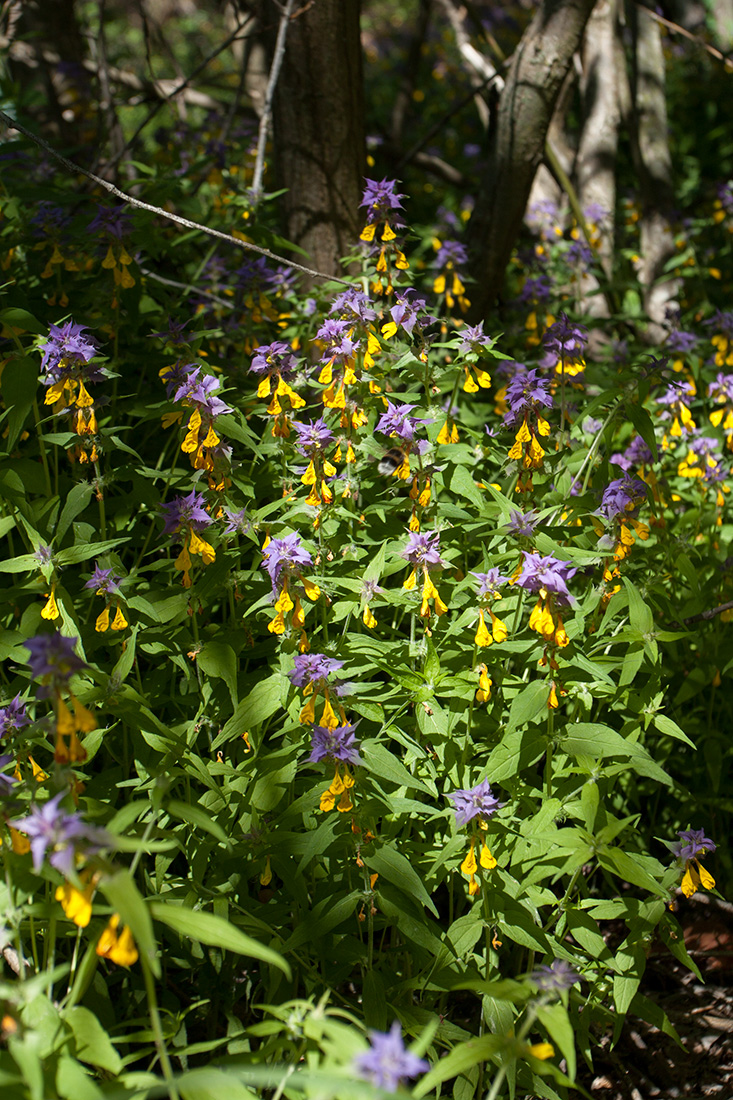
{"x": 526, "y": 391}
{"x": 237, "y": 522}
{"x": 636, "y": 454}
{"x": 522, "y": 523}
{"x": 397, "y": 421}
{"x": 623, "y": 497}
{"x": 7, "y": 782}
{"x": 556, "y": 977}
{"x": 201, "y": 395}
{"x": 312, "y": 668}
{"x": 104, "y": 581}
{"x": 535, "y": 291}
{"x": 546, "y": 573}
{"x": 43, "y": 555}
{"x": 338, "y": 743}
{"x": 52, "y": 659}
{"x": 722, "y": 387}
{"x": 275, "y": 357}
{"x": 313, "y": 436}
{"x": 451, "y": 253}
{"x": 489, "y": 582}
{"x": 66, "y": 346}
{"x": 680, "y": 342}
{"x": 63, "y": 835}
{"x": 354, "y": 306}
{"x": 284, "y": 555}
{"x": 387, "y": 1062}
{"x": 564, "y": 340}
{"x": 579, "y": 255}
{"x": 406, "y": 311}
{"x": 13, "y": 717}
{"x": 175, "y": 333}
{"x": 335, "y": 335}
{"x": 186, "y": 512}
{"x": 692, "y": 844}
{"x": 180, "y": 378}
{"x": 381, "y": 200}
{"x": 113, "y": 220}
{"x": 473, "y": 339}
{"x": 473, "y": 802}
{"x": 423, "y": 549}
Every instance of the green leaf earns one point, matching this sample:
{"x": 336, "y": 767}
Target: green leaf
{"x": 92, "y": 1042}
{"x": 197, "y": 817}
{"x": 209, "y": 1083}
{"x": 599, "y": 741}
{"x": 666, "y": 726}
{"x": 262, "y": 702}
{"x": 381, "y": 762}
{"x": 73, "y": 1082}
{"x": 19, "y": 386}
{"x": 528, "y": 705}
{"x": 458, "y": 1060}
{"x": 207, "y": 928}
{"x": 644, "y": 425}
{"x": 556, "y": 1020}
{"x": 72, "y": 555}
{"x": 640, "y": 615}
{"x": 462, "y": 484}
{"x": 515, "y": 752}
{"x": 14, "y": 317}
{"x": 398, "y": 870}
{"x": 626, "y": 867}
{"x": 127, "y": 658}
{"x": 77, "y": 500}
{"x": 218, "y": 659}
{"x": 124, "y": 896}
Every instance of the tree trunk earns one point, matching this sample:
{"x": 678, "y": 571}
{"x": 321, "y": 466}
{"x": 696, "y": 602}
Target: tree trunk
{"x": 596, "y": 161}
{"x": 526, "y": 106}
{"x": 650, "y": 143}
{"x": 318, "y": 124}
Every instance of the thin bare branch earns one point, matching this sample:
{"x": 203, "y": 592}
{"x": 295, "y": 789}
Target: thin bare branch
{"x": 186, "y": 222}
{"x": 277, "y": 61}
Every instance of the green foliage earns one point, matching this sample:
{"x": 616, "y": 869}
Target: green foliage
{"x": 245, "y": 912}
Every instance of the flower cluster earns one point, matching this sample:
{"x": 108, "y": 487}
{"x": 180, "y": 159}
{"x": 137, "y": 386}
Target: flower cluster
{"x": 105, "y": 582}
{"x": 185, "y": 519}
{"x": 692, "y": 845}
{"x": 275, "y": 362}
{"x": 339, "y": 745}
{"x": 471, "y": 803}
{"x": 283, "y": 559}
{"x": 527, "y": 396}
{"x": 423, "y": 553}
{"x": 382, "y": 203}
{"x": 67, "y": 357}
{"x": 201, "y": 442}
{"x": 53, "y": 662}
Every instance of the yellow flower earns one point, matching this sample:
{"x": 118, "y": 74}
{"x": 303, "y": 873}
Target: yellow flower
{"x": 77, "y": 904}
{"x": 118, "y": 948}
{"x": 696, "y": 876}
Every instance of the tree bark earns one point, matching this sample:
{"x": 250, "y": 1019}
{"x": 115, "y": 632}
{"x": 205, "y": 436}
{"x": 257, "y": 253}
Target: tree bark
{"x": 526, "y": 106}
{"x": 650, "y": 144}
{"x": 318, "y": 129}
{"x": 596, "y": 161}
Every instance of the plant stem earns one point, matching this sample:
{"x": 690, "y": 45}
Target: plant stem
{"x": 165, "y": 1064}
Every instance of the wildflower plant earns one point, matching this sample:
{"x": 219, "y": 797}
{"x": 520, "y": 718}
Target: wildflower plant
{"x": 358, "y": 655}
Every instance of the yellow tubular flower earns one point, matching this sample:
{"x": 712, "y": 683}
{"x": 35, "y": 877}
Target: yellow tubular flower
{"x": 118, "y": 948}
{"x": 77, "y": 904}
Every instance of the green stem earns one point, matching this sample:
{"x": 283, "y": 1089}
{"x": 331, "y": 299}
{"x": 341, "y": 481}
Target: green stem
{"x": 165, "y": 1064}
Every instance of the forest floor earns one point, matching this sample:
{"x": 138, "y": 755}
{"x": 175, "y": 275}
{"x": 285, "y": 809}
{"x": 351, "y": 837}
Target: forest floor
{"x": 645, "y": 1064}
